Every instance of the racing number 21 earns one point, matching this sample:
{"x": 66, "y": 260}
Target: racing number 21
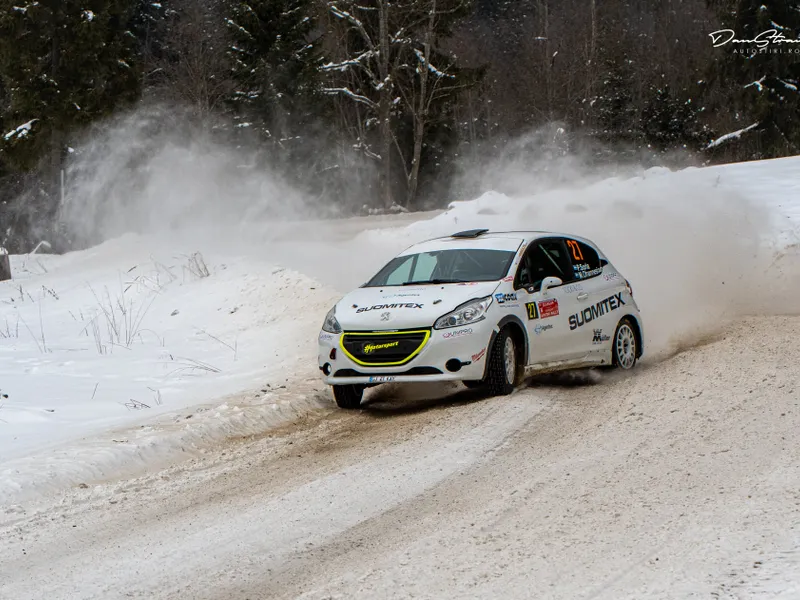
{"x": 576, "y": 249}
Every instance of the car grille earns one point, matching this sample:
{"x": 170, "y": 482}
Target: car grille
{"x": 384, "y": 348}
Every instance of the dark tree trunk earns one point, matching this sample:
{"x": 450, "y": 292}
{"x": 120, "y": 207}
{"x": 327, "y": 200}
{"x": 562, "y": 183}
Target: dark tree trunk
{"x": 5, "y": 267}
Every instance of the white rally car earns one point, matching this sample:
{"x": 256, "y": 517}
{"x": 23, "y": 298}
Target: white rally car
{"x": 482, "y": 308}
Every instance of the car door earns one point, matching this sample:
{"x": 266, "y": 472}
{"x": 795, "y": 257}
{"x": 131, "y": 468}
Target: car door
{"x": 593, "y": 322}
{"x": 547, "y": 313}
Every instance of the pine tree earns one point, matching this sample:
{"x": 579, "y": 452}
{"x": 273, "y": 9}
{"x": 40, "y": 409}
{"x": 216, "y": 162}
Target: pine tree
{"x": 64, "y": 63}
{"x": 150, "y": 25}
{"x": 274, "y": 64}
{"x": 670, "y": 122}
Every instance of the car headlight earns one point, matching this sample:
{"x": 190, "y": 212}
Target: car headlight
{"x": 331, "y": 325}
{"x": 471, "y": 312}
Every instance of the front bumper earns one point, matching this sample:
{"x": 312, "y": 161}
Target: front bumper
{"x": 433, "y": 362}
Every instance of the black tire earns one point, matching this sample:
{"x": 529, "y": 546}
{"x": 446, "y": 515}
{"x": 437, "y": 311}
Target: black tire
{"x": 624, "y": 346}
{"x": 348, "y": 396}
{"x": 499, "y": 380}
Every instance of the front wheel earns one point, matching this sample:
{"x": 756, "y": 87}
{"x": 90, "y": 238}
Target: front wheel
{"x": 503, "y": 365}
{"x": 348, "y": 396}
{"x": 624, "y": 351}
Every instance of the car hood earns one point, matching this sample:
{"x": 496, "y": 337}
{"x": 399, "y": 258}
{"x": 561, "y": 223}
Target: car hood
{"x": 373, "y": 309}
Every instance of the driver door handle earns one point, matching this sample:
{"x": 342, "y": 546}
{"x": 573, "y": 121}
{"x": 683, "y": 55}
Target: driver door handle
{"x": 583, "y": 296}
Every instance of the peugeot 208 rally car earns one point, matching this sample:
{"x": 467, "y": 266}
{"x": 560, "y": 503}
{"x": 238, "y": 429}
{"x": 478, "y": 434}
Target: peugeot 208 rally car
{"x": 482, "y": 308}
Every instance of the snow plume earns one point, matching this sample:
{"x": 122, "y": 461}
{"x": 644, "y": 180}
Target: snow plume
{"x": 150, "y": 172}
{"x": 696, "y": 250}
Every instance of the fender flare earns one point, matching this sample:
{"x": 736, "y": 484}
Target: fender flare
{"x": 500, "y": 324}
{"x": 638, "y": 321}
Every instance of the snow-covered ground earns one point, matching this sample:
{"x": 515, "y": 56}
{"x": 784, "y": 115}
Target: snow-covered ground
{"x": 121, "y": 356}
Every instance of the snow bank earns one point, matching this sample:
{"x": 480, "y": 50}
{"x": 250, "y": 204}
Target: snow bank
{"x": 129, "y": 330}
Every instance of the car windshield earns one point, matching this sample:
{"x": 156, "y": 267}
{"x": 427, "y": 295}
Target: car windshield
{"x": 444, "y": 266}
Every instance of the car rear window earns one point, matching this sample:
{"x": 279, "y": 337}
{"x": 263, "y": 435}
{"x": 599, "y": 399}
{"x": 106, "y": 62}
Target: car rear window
{"x": 444, "y": 266}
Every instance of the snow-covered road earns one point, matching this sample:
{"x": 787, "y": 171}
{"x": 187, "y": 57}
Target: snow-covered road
{"x": 680, "y": 481}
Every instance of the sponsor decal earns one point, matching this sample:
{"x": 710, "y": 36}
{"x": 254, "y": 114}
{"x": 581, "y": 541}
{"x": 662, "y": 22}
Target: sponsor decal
{"x": 450, "y": 335}
{"x": 571, "y": 289}
{"x": 533, "y": 311}
{"x": 407, "y": 295}
{"x": 479, "y": 355}
{"x": 325, "y": 337}
{"x": 548, "y": 308}
{"x": 371, "y": 348}
{"x": 469, "y": 283}
{"x": 503, "y": 298}
{"x": 598, "y": 310}
{"x": 381, "y": 379}
{"x": 386, "y": 316}
{"x": 508, "y": 279}
{"x": 388, "y": 306}
{"x": 611, "y": 276}
{"x": 581, "y": 267}
{"x": 587, "y": 274}
{"x": 541, "y": 328}
{"x": 599, "y": 338}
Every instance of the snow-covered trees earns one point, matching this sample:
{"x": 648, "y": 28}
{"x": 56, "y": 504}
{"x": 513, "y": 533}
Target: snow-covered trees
{"x": 383, "y": 101}
{"x": 62, "y": 65}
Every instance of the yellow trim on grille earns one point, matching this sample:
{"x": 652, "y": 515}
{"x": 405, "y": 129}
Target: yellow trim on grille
{"x": 427, "y": 337}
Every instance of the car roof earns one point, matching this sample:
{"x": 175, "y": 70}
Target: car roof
{"x": 488, "y": 240}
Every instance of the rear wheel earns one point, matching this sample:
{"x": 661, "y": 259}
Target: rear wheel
{"x": 348, "y": 396}
{"x": 503, "y": 365}
{"x": 624, "y": 351}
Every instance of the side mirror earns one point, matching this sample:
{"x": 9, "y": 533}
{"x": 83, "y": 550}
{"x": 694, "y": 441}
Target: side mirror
{"x": 550, "y": 282}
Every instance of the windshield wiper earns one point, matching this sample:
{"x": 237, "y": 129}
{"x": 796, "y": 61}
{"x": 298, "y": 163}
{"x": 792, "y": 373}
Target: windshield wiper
{"x": 435, "y": 282}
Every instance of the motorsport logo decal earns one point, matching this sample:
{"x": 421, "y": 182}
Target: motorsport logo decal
{"x": 388, "y": 306}
{"x": 479, "y": 355}
{"x": 548, "y": 308}
{"x": 540, "y": 328}
{"x": 598, "y": 337}
{"x": 533, "y": 311}
{"x": 503, "y": 298}
{"x": 370, "y": 348}
{"x": 598, "y": 310}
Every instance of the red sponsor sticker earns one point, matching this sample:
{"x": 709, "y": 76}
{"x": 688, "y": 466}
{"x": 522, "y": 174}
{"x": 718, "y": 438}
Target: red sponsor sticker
{"x": 548, "y": 308}
{"x": 479, "y": 355}
{"x": 508, "y": 279}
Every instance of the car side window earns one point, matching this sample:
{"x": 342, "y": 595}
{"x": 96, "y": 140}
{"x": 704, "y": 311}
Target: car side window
{"x": 585, "y": 261}
{"x": 544, "y": 258}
